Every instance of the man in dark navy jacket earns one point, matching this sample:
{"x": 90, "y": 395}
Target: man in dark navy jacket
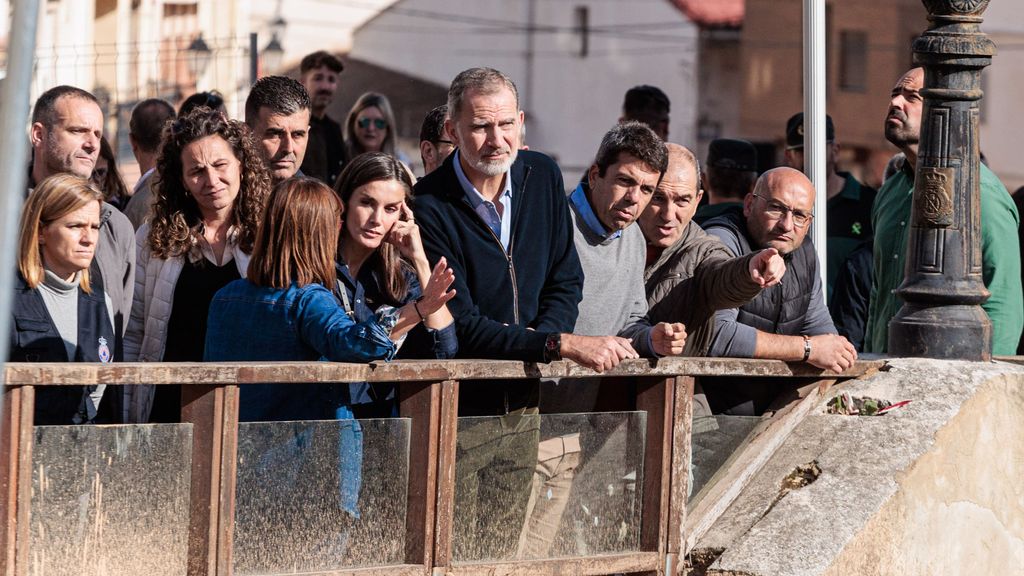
{"x": 499, "y": 216}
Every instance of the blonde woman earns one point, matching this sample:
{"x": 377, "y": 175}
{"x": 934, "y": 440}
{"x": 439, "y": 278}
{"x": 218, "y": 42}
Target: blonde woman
{"x": 59, "y": 313}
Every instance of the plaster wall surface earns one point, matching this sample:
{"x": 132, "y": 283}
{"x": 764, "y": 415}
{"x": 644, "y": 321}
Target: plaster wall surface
{"x": 571, "y": 94}
{"x": 931, "y": 488}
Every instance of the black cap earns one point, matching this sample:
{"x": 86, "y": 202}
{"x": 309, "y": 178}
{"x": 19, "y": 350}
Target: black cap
{"x": 795, "y": 130}
{"x": 732, "y": 154}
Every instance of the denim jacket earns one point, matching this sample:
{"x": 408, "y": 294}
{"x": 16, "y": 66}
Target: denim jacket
{"x": 366, "y": 297}
{"x": 249, "y": 322}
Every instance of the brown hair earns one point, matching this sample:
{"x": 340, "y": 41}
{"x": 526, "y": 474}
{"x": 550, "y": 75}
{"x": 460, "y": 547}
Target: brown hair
{"x": 54, "y": 198}
{"x": 112, "y": 186}
{"x": 177, "y": 223}
{"x": 321, "y": 58}
{"x": 298, "y": 237}
{"x": 362, "y": 170}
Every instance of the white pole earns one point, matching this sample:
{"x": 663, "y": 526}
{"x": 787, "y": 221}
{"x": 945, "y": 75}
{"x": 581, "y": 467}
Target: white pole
{"x": 814, "y": 123}
{"x": 14, "y": 107}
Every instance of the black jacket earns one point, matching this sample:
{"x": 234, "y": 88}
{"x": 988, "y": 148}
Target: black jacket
{"x": 537, "y": 284}
{"x": 781, "y": 309}
{"x": 34, "y": 338}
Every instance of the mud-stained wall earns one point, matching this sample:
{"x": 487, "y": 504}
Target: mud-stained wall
{"x": 960, "y": 508}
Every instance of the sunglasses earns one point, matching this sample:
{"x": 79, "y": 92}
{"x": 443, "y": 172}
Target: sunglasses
{"x": 378, "y": 123}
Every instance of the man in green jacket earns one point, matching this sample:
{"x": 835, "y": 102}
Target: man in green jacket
{"x": 891, "y": 222}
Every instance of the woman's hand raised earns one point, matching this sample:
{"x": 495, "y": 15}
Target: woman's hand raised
{"x": 436, "y": 293}
{"x": 405, "y": 236}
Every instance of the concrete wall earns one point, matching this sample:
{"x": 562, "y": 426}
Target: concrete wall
{"x": 570, "y": 100}
{"x": 932, "y": 488}
{"x": 960, "y": 508}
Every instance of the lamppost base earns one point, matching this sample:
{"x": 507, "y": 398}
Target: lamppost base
{"x": 961, "y": 332}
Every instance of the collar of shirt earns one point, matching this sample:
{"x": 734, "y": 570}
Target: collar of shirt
{"x": 578, "y": 198}
{"x": 142, "y": 179}
{"x": 851, "y": 187}
{"x": 472, "y": 194}
{"x": 500, "y": 225}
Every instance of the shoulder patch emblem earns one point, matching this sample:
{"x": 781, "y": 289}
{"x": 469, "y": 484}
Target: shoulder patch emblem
{"x": 103, "y": 350}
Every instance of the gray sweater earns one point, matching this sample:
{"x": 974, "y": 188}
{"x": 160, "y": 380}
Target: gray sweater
{"x": 61, "y": 301}
{"x": 614, "y": 300}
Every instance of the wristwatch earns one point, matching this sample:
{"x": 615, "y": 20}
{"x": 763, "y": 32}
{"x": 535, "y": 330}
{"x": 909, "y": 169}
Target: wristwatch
{"x": 553, "y": 347}
{"x": 807, "y": 348}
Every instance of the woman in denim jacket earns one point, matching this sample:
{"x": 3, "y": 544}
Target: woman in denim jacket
{"x": 382, "y": 264}
{"x": 284, "y": 309}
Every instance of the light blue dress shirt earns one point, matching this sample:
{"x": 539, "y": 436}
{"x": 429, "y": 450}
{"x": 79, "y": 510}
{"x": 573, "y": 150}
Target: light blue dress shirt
{"x": 500, "y": 225}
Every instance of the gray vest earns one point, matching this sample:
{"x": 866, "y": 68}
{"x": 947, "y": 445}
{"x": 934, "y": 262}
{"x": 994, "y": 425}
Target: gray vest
{"x": 780, "y": 309}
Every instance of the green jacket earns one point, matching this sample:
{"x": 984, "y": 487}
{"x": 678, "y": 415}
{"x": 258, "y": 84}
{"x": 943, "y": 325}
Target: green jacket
{"x": 1000, "y": 254}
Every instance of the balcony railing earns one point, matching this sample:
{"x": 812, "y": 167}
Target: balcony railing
{"x": 212, "y": 497}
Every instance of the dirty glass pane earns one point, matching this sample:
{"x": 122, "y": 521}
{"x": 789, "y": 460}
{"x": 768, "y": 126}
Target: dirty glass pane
{"x": 110, "y": 500}
{"x": 714, "y": 439}
{"x": 548, "y": 486}
{"x": 320, "y": 495}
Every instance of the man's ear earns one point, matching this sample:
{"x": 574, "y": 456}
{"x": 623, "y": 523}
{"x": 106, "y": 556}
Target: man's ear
{"x": 449, "y": 130}
{"x": 592, "y": 175}
{"x": 426, "y": 151}
{"x": 700, "y": 194}
{"x": 37, "y": 133}
{"x": 748, "y": 204}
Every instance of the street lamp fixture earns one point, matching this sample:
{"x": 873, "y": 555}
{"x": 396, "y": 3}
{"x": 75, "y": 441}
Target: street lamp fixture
{"x": 272, "y": 54}
{"x": 199, "y": 55}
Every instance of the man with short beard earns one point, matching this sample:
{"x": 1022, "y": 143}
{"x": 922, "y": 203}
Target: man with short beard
{"x": 67, "y": 124}
{"x": 499, "y": 216}
{"x": 325, "y": 149}
{"x": 277, "y": 111}
{"x": 788, "y": 321}
{"x": 1000, "y": 253}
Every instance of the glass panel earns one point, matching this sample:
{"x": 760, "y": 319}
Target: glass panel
{"x": 714, "y": 439}
{"x": 110, "y": 500}
{"x": 320, "y": 495}
{"x": 529, "y": 486}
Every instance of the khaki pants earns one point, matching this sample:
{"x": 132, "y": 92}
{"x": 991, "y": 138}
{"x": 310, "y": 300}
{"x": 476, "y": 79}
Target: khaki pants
{"x": 495, "y": 458}
{"x": 557, "y": 460}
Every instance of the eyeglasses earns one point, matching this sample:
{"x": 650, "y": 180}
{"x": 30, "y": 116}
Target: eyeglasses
{"x": 448, "y": 142}
{"x": 378, "y": 123}
{"x": 778, "y": 211}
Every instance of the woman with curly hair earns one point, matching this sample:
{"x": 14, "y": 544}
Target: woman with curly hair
{"x": 210, "y": 190}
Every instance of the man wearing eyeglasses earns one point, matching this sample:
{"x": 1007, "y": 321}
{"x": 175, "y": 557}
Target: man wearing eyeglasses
{"x": 788, "y": 321}
{"x": 434, "y": 144}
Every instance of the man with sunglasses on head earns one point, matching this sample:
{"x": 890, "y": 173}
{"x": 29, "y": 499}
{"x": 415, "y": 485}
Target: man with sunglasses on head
{"x": 788, "y": 321}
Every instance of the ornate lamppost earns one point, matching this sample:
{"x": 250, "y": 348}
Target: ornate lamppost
{"x": 943, "y": 289}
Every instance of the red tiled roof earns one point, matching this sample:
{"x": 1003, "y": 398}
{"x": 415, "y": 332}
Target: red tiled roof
{"x": 713, "y": 13}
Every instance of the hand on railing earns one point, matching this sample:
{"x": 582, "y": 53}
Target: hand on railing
{"x": 831, "y": 352}
{"x": 668, "y": 339}
{"x": 599, "y": 353}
